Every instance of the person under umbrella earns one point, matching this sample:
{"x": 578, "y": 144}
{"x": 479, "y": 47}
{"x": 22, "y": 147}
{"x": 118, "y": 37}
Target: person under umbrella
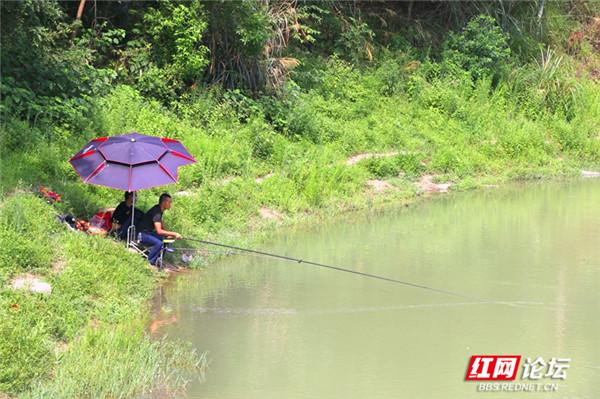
{"x": 121, "y": 217}
{"x": 151, "y": 228}
{"x": 132, "y": 162}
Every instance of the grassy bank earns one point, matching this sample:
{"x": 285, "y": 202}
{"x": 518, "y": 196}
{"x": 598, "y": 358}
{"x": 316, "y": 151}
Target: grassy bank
{"x": 87, "y": 338}
{"x": 288, "y": 155}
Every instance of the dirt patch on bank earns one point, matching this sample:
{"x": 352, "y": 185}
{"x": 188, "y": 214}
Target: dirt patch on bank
{"x": 366, "y": 155}
{"x": 270, "y": 214}
{"x": 58, "y": 266}
{"x": 379, "y": 186}
{"x": 260, "y": 179}
{"x": 426, "y": 185}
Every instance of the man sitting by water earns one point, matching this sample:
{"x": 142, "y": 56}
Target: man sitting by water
{"x": 151, "y": 228}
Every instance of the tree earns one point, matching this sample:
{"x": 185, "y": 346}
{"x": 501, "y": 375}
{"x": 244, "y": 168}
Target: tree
{"x": 480, "y": 48}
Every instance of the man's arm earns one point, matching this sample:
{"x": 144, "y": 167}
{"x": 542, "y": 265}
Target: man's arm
{"x": 163, "y": 232}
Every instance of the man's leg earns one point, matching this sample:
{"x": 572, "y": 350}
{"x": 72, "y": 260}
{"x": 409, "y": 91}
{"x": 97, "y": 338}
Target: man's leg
{"x": 156, "y": 245}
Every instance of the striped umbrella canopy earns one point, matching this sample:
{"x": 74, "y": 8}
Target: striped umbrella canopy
{"x": 131, "y": 162}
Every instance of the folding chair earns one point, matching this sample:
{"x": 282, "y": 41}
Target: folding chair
{"x": 134, "y": 242}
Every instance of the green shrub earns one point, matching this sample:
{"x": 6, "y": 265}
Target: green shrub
{"x": 383, "y": 167}
{"x": 176, "y": 30}
{"x": 392, "y": 73}
{"x": 480, "y": 48}
{"x": 223, "y": 205}
{"x": 262, "y": 139}
{"x": 411, "y": 164}
{"x": 305, "y": 122}
{"x": 341, "y": 81}
{"x": 355, "y": 41}
{"x": 447, "y": 161}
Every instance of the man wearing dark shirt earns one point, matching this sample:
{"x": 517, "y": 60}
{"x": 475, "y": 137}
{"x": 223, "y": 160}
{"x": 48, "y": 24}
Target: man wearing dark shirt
{"x": 151, "y": 228}
{"x": 123, "y": 210}
{"x": 121, "y": 217}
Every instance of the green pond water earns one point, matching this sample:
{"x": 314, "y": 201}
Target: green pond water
{"x": 285, "y": 330}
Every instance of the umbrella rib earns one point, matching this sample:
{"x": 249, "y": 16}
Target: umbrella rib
{"x": 96, "y": 171}
{"x": 166, "y": 171}
{"x": 85, "y": 154}
{"x": 102, "y": 143}
{"x": 164, "y": 140}
{"x": 164, "y": 145}
{"x": 180, "y": 155}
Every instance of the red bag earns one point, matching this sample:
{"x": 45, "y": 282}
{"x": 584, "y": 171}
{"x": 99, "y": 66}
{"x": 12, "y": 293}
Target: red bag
{"x": 102, "y": 220}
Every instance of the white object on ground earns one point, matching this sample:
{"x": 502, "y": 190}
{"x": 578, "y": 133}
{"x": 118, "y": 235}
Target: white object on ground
{"x": 31, "y": 283}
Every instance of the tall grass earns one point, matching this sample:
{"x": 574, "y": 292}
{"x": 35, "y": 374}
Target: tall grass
{"x": 121, "y": 363}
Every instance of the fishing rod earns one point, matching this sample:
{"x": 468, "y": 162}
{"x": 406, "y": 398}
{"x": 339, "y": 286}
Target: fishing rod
{"x": 341, "y": 269}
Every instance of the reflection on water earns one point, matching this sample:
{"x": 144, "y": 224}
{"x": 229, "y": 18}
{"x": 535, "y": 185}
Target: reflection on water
{"x": 285, "y": 330}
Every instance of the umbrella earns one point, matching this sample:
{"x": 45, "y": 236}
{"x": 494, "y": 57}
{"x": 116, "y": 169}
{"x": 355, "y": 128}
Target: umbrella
{"x": 131, "y": 162}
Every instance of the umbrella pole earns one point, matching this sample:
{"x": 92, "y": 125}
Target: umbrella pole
{"x": 131, "y": 228}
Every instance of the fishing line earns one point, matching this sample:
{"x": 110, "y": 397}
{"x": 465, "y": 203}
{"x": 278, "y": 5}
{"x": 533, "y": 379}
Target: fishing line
{"x": 341, "y": 269}
{"x": 190, "y": 249}
{"x": 214, "y": 251}
{"x": 317, "y": 312}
